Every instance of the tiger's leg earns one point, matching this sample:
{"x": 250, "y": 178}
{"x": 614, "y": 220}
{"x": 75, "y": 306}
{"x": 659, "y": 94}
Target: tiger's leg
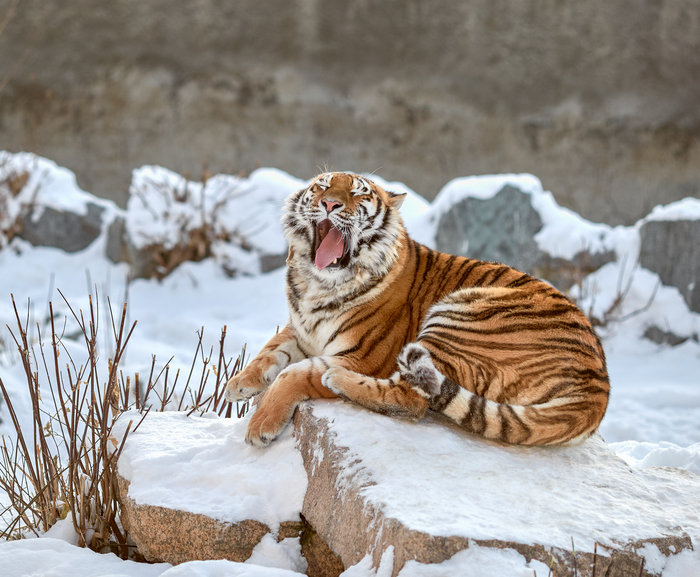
{"x": 393, "y": 396}
{"x": 281, "y": 351}
{"x": 298, "y": 382}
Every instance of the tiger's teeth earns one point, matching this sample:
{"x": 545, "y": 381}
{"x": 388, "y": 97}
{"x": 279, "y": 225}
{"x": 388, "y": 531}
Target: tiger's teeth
{"x": 335, "y": 261}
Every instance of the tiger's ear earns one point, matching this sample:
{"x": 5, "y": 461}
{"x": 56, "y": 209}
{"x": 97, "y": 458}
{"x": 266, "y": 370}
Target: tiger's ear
{"x": 396, "y": 200}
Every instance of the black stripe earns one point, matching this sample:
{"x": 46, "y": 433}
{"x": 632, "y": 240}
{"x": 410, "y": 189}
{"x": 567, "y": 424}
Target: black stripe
{"x": 475, "y": 420}
{"x": 499, "y": 273}
{"x": 521, "y": 281}
{"x": 480, "y": 281}
{"x": 448, "y": 391}
{"x": 475, "y": 264}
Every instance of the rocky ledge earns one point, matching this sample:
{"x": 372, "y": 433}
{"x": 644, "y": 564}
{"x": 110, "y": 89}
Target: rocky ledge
{"x": 421, "y": 492}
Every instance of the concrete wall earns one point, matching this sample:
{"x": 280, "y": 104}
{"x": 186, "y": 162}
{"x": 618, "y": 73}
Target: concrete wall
{"x": 600, "y": 99}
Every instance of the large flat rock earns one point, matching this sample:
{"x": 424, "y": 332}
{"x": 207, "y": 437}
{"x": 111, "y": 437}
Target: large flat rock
{"x": 429, "y": 490}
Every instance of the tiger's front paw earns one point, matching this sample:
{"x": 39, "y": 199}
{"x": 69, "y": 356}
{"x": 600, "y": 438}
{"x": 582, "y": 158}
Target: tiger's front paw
{"x": 268, "y": 422}
{"x": 245, "y": 384}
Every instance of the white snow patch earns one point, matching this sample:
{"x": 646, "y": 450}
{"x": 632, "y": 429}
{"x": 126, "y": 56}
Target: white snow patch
{"x": 285, "y": 554}
{"x": 654, "y": 560}
{"x": 684, "y": 564}
{"x": 686, "y": 209}
{"x": 63, "y": 529}
{"x": 225, "y": 569}
{"x": 56, "y": 558}
{"x": 475, "y": 561}
{"x": 660, "y": 454}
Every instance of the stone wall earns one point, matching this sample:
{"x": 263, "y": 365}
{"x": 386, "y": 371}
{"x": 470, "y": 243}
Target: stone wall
{"x": 597, "y": 98}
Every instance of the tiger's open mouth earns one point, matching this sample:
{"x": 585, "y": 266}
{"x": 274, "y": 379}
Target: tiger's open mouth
{"x": 330, "y": 247}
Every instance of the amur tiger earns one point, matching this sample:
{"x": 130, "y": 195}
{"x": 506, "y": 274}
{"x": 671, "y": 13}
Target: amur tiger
{"x": 382, "y": 321}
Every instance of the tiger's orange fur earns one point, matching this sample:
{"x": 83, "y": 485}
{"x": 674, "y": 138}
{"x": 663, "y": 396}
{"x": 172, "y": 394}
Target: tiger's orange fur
{"x": 399, "y": 328}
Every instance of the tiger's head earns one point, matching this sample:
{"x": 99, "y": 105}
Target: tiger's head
{"x": 343, "y": 223}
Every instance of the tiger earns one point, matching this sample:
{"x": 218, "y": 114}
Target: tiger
{"x": 379, "y": 320}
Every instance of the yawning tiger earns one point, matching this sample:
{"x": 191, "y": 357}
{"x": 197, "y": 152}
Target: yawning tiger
{"x": 384, "y": 322}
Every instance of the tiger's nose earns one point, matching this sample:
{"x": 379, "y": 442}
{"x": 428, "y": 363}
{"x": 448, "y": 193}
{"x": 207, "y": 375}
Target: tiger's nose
{"x": 330, "y": 204}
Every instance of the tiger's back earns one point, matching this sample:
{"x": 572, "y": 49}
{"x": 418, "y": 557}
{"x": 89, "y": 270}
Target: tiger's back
{"x": 399, "y": 328}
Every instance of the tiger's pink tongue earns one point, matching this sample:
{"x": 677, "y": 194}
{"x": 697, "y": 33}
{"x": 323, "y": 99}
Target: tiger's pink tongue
{"x": 331, "y": 248}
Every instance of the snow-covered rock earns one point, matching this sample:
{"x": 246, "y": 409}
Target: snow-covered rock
{"x": 513, "y": 225}
{"x": 42, "y": 203}
{"x": 428, "y": 491}
{"x": 191, "y": 489}
{"x": 670, "y": 247}
{"x": 387, "y": 493}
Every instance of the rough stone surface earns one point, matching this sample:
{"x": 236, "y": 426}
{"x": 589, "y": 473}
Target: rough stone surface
{"x": 173, "y": 536}
{"x": 176, "y": 536}
{"x": 598, "y": 98}
{"x": 115, "y": 249}
{"x": 66, "y": 230}
{"x": 503, "y": 229}
{"x": 672, "y": 250}
{"x": 499, "y": 229}
{"x": 353, "y": 525}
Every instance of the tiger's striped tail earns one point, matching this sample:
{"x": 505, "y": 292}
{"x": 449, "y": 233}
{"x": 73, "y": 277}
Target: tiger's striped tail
{"x": 541, "y": 424}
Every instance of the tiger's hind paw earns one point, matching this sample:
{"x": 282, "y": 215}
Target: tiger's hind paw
{"x": 418, "y": 370}
{"x": 338, "y": 380}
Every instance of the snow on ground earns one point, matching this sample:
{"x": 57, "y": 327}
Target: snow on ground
{"x": 654, "y": 413}
{"x": 476, "y": 561}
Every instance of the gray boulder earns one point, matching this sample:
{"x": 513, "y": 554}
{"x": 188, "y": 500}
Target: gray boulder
{"x": 66, "y": 230}
{"x": 500, "y": 229}
{"x": 671, "y": 249}
{"x": 503, "y": 229}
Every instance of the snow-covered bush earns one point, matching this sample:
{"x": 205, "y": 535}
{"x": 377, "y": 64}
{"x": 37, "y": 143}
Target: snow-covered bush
{"x": 230, "y": 218}
{"x": 16, "y": 198}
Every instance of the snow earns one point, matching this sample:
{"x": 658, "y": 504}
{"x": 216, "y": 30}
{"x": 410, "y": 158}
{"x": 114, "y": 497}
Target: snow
{"x": 686, "y": 209}
{"x": 230, "y": 480}
{"x": 283, "y": 555}
{"x": 55, "y": 558}
{"x": 438, "y": 481}
{"x": 653, "y": 419}
{"x": 476, "y": 561}
{"x": 47, "y": 185}
{"x": 661, "y": 454}
{"x": 48, "y": 557}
